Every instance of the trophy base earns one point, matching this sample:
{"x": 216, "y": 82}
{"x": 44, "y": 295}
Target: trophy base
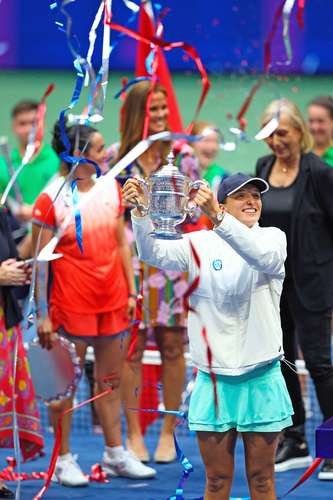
{"x": 166, "y": 235}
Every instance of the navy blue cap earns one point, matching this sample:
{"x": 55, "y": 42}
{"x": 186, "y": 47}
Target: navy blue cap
{"x": 235, "y": 182}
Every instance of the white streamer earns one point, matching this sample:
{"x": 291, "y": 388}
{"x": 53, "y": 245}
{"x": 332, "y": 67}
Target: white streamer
{"x": 16, "y": 437}
{"x": 268, "y": 129}
{"x": 28, "y": 154}
{"x": 131, "y": 6}
{"x": 47, "y": 252}
{"x": 92, "y": 38}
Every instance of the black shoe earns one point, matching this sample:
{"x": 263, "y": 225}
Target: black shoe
{"x": 6, "y": 492}
{"x": 292, "y": 454}
{"x": 326, "y": 471}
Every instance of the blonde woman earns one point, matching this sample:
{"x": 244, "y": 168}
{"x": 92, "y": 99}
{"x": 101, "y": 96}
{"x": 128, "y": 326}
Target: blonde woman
{"x": 300, "y": 203}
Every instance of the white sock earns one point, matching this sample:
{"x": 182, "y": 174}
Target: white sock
{"x": 115, "y": 452}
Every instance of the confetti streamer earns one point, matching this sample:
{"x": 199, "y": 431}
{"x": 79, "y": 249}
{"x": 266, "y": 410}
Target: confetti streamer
{"x": 189, "y": 50}
{"x": 308, "y": 473}
{"x": 246, "y": 104}
{"x": 283, "y": 10}
{"x": 34, "y": 142}
{"x": 138, "y": 150}
{"x": 11, "y": 170}
{"x": 287, "y": 8}
{"x": 58, "y": 436}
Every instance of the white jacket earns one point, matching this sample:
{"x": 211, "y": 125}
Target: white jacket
{"x": 238, "y": 297}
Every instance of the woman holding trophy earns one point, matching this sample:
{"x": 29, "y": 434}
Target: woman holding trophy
{"x": 241, "y": 270}
{"x": 161, "y": 317}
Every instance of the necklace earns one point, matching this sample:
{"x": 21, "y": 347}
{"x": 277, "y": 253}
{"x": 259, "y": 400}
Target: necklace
{"x": 284, "y": 170}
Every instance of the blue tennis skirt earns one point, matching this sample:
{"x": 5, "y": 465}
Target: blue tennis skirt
{"x": 257, "y": 401}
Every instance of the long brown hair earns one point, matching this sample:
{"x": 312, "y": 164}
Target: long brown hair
{"x": 133, "y": 117}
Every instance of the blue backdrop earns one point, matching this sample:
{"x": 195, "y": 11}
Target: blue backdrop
{"x": 228, "y": 34}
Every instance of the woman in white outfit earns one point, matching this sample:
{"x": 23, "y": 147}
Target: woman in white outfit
{"x": 237, "y": 300}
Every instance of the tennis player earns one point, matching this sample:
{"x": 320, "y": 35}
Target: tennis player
{"x": 237, "y": 300}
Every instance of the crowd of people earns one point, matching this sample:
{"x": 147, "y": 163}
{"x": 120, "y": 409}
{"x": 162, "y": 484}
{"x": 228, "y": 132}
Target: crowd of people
{"x": 265, "y": 242}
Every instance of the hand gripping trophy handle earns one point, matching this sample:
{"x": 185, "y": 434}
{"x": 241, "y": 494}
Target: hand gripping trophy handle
{"x": 190, "y": 205}
{"x": 140, "y": 206}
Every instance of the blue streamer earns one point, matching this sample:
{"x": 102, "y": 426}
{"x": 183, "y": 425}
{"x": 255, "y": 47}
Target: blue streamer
{"x": 67, "y": 158}
{"x": 179, "y": 414}
{"x": 181, "y": 457}
{"x": 78, "y": 221}
{"x": 187, "y": 469}
{"x": 130, "y": 83}
{"x": 149, "y": 62}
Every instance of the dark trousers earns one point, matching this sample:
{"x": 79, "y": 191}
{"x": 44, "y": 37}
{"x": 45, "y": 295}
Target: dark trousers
{"x": 312, "y": 332}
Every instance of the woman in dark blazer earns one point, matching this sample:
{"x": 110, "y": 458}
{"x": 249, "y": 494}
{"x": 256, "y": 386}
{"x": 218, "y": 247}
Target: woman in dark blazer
{"x": 300, "y": 202}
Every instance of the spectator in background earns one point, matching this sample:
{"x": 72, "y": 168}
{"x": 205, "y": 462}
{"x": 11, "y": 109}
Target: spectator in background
{"x": 206, "y": 151}
{"x": 14, "y": 273}
{"x": 42, "y": 167}
{"x": 300, "y": 203}
{"x": 162, "y": 315}
{"x": 320, "y": 120}
{"x": 92, "y": 297}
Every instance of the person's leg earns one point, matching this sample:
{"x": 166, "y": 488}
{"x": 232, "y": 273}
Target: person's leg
{"x": 293, "y": 451}
{"x": 314, "y": 330}
{"x": 131, "y": 387}
{"x": 259, "y": 460}
{"x": 110, "y": 355}
{"x": 290, "y": 352}
{"x": 315, "y": 338}
{"x": 217, "y": 451}
{"x": 170, "y": 342}
{"x": 58, "y": 407}
{"x": 89, "y": 370}
{"x": 67, "y": 471}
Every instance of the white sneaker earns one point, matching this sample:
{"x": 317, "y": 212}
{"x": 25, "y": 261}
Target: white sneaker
{"x": 68, "y": 472}
{"x": 127, "y": 466}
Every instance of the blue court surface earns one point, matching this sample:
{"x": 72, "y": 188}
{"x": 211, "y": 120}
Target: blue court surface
{"x": 89, "y": 448}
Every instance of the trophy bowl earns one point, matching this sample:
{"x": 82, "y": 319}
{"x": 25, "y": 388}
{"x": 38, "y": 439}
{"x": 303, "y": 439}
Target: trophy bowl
{"x": 168, "y": 199}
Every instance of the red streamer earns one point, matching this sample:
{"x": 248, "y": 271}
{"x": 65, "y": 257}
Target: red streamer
{"x": 157, "y": 42}
{"x": 138, "y": 319}
{"x": 146, "y": 26}
{"x": 8, "y": 474}
{"x": 57, "y": 442}
{"x": 154, "y": 76}
{"x": 188, "y": 307}
{"x": 270, "y": 36}
{"x": 300, "y": 13}
{"x": 210, "y": 359}
{"x": 308, "y": 473}
{"x": 98, "y": 475}
{"x": 246, "y": 104}
{"x": 40, "y": 117}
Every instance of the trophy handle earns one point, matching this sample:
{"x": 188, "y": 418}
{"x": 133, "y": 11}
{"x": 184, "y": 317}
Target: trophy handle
{"x": 143, "y": 208}
{"x": 190, "y": 205}
{"x": 196, "y": 184}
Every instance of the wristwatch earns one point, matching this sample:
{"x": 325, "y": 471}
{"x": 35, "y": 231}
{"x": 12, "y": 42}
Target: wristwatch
{"x": 219, "y": 217}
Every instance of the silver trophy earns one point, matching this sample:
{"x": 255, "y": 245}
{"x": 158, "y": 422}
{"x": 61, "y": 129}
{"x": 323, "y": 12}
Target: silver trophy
{"x": 168, "y": 199}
